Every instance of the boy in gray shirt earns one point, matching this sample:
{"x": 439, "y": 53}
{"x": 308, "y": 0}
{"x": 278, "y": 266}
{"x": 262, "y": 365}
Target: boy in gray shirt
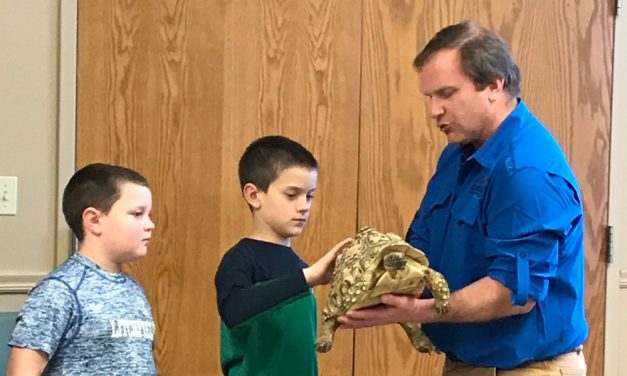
{"x": 87, "y": 317}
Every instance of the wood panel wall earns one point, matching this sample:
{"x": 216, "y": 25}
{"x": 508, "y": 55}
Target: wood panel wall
{"x": 178, "y": 88}
{"x": 292, "y": 68}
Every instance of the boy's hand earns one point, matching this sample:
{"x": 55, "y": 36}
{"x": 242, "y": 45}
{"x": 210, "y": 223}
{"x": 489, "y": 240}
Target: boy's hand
{"x": 320, "y": 272}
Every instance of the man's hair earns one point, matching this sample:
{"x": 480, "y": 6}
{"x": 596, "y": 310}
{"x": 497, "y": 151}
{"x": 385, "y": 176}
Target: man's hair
{"x": 98, "y": 186}
{"x": 265, "y": 158}
{"x": 484, "y": 55}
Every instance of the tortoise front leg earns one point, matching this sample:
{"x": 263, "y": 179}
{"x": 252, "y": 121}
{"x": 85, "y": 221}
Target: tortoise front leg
{"x": 438, "y": 286}
{"x": 327, "y": 331}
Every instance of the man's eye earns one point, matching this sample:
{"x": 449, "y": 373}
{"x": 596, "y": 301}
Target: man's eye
{"x": 445, "y": 94}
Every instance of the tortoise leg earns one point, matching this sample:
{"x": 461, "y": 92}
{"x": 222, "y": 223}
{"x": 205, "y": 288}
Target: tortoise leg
{"x": 417, "y": 337}
{"x": 327, "y": 331}
{"x": 436, "y": 283}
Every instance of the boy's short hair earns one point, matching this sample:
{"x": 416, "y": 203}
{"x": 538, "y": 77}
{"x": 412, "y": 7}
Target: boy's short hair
{"x": 98, "y": 186}
{"x": 266, "y": 157}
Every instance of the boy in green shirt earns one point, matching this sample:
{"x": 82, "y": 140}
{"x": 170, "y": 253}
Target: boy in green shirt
{"x": 265, "y": 300}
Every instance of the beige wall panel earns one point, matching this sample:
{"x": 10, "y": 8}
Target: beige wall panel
{"x": 566, "y": 81}
{"x": 149, "y": 97}
{"x": 36, "y": 138}
{"x": 292, "y": 68}
{"x": 28, "y": 141}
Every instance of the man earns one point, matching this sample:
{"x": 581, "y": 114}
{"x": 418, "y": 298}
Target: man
{"x": 502, "y": 220}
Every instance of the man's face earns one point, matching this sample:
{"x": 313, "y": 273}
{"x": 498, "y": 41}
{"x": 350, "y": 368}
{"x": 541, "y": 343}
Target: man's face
{"x": 462, "y": 112}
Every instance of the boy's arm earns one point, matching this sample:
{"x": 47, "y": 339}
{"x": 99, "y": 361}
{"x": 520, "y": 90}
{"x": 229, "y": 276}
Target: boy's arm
{"x": 48, "y": 315}
{"x": 26, "y": 362}
{"x": 240, "y": 299}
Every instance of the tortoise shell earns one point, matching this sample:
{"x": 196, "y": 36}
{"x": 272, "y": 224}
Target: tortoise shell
{"x": 374, "y": 264}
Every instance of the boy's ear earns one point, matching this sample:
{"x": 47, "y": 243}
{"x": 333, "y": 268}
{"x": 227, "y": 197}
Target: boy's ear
{"x": 91, "y": 221}
{"x": 251, "y": 195}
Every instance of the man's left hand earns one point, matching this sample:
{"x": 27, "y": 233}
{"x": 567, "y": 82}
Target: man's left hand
{"x": 394, "y": 308}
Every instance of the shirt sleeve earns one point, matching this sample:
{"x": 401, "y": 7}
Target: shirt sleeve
{"x": 48, "y": 316}
{"x": 529, "y": 216}
{"x": 239, "y": 298}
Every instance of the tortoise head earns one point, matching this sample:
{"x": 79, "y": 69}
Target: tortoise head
{"x": 394, "y": 261}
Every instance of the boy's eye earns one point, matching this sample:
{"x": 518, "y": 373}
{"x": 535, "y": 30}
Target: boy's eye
{"x": 310, "y": 197}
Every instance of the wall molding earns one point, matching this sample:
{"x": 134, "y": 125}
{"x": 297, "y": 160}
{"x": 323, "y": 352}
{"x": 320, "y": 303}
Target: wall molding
{"x": 66, "y": 119}
{"x": 19, "y": 283}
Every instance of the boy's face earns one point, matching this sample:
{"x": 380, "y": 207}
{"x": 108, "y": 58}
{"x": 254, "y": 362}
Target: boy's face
{"x": 127, "y": 228}
{"x": 284, "y": 208}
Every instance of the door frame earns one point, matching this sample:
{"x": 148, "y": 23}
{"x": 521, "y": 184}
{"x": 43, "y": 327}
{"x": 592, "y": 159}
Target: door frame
{"x": 616, "y": 298}
{"x": 66, "y": 119}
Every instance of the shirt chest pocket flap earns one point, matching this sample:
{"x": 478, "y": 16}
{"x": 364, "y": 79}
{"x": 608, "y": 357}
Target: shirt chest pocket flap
{"x": 434, "y": 199}
{"x": 466, "y": 208}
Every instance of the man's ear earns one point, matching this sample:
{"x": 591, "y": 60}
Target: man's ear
{"x": 91, "y": 221}
{"x": 251, "y": 195}
{"x": 495, "y": 89}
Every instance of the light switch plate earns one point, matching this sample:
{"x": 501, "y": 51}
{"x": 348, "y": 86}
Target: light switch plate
{"x": 8, "y": 195}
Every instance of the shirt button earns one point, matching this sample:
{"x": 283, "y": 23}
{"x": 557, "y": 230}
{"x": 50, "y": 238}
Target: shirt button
{"x": 523, "y": 254}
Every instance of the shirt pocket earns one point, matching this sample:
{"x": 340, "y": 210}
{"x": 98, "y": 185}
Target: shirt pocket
{"x": 466, "y": 209}
{"x": 434, "y": 199}
{"x": 465, "y": 232}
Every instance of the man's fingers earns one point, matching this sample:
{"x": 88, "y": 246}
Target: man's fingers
{"x": 393, "y": 300}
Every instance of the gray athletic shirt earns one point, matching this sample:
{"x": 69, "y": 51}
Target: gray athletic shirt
{"x": 90, "y": 322}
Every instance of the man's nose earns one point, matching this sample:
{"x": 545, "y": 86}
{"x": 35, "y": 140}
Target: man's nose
{"x": 435, "y": 108}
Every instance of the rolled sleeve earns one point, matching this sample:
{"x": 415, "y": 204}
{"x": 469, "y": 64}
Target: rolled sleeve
{"x": 529, "y": 217}
{"x": 524, "y": 265}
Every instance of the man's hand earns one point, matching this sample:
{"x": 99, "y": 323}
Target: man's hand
{"x": 483, "y": 300}
{"x": 394, "y": 308}
{"x": 320, "y": 272}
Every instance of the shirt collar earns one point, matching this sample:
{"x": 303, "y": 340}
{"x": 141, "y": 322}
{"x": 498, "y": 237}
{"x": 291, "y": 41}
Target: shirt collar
{"x": 488, "y": 153}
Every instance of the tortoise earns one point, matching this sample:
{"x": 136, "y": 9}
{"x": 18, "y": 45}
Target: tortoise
{"x": 374, "y": 264}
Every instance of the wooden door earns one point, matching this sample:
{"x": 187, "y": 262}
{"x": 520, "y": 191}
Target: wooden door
{"x": 177, "y": 90}
{"x": 292, "y": 68}
{"x": 564, "y": 49}
{"x": 150, "y": 97}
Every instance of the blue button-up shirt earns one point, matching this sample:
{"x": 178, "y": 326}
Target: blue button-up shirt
{"x": 510, "y": 210}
